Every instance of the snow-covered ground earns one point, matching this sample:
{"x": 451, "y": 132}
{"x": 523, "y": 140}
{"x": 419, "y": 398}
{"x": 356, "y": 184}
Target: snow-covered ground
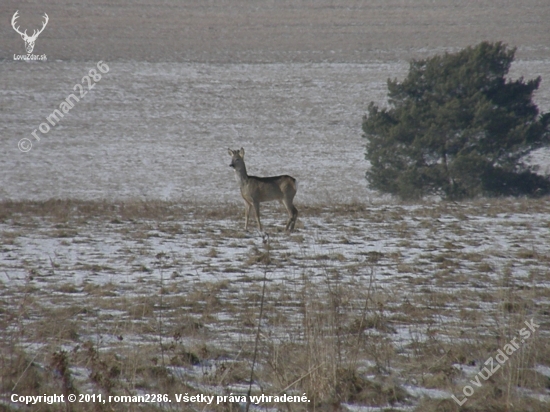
{"x": 449, "y": 278}
{"x": 161, "y": 131}
{"x": 432, "y": 285}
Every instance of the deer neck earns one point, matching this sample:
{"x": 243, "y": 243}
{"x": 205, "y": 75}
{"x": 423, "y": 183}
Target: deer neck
{"x": 241, "y": 176}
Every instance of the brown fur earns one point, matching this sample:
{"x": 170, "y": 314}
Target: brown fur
{"x": 255, "y": 190}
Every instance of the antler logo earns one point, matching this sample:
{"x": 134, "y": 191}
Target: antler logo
{"x": 29, "y": 40}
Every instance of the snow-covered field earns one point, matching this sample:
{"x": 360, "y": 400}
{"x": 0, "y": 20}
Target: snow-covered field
{"x": 405, "y": 301}
{"x": 141, "y": 278}
{"x": 161, "y": 131}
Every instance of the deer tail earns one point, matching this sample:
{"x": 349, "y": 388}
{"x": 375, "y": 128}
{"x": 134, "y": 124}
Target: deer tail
{"x": 295, "y": 184}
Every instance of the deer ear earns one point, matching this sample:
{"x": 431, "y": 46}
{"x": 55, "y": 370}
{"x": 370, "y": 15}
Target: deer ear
{"x": 241, "y": 152}
{"x": 230, "y": 152}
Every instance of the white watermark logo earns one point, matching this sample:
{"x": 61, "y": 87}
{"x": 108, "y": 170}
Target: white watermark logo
{"x": 29, "y": 40}
{"x": 93, "y": 77}
{"x": 501, "y": 357}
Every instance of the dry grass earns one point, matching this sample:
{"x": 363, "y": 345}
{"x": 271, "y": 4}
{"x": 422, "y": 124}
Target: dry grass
{"x": 342, "y": 323}
{"x": 63, "y": 210}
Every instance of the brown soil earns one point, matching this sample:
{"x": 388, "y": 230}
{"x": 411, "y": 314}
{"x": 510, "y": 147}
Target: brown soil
{"x": 273, "y": 31}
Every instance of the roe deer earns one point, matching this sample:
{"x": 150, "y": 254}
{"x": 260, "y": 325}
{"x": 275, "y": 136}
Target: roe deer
{"x": 255, "y": 190}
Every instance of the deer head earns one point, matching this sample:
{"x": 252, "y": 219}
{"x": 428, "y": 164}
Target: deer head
{"x": 29, "y": 40}
{"x": 237, "y": 157}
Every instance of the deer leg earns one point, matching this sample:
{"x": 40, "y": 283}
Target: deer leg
{"x": 257, "y": 211}
{"x": 289, "y": 214}
{"x": 294, "y": 218}
{"x": 247, "y": 207}
{"x": 284, "y": 204}
{"x": 292, "y": 215}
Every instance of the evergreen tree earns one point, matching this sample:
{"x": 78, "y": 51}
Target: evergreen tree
{"x": 458, "y": 128}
